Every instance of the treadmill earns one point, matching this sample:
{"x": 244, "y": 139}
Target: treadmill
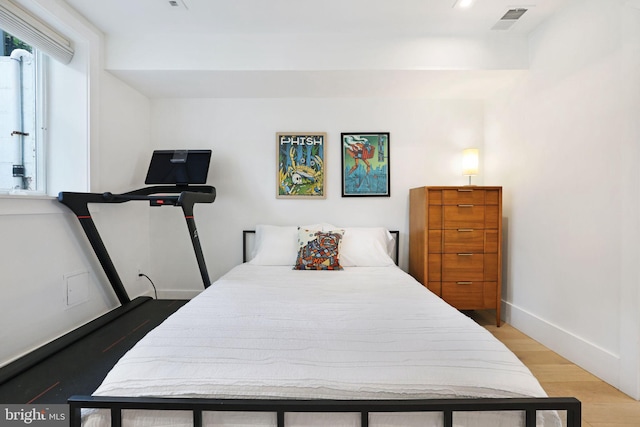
{"x": 77, "y": 362}
{"x": 174, "y": 172}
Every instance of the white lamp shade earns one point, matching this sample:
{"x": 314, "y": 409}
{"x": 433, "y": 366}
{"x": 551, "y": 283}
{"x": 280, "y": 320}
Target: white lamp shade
{"x": 470, "y": 162}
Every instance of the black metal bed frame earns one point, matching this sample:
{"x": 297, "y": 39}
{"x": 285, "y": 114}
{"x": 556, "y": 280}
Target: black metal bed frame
{"x": 528, "y": 406}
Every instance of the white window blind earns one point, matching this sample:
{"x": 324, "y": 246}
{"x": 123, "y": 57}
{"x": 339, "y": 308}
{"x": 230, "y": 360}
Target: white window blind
{"x": 23, "y": 25}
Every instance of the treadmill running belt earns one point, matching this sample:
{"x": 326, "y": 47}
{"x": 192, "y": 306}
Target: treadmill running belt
{"x": 80, "y": 367}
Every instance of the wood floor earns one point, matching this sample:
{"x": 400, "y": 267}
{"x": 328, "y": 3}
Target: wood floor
{"x": 602, "y": 404}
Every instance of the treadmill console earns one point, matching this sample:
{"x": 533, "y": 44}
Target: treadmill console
{"x": 178, "y": 167}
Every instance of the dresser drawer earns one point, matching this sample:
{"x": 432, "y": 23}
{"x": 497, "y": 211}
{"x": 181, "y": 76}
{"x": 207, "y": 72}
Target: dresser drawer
{"x": 491, "y": 241}
{"x": 434, "y": 272}
{"x": 491, "y": 267}
{"x": 492, "y": 197}
{"x": 463, "y": 196}
{"x": 470, "y": 295}
{"x": 435, "y": 287}
{"x": 434, "y": 221}
{"x": 435, "y": 242}
{"x": 464, "y": 240}
{"x": 464, "y": 216}
{"x": 464, "y": 295}
{"x": 491, "y": 217}
{"x": 462, "y": 267}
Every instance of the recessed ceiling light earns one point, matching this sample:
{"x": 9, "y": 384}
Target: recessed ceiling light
{"x": 463, "y": 4}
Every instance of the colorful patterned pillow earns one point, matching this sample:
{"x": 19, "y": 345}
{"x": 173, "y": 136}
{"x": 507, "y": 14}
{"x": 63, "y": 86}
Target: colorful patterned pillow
{"x": 318, "y": 250}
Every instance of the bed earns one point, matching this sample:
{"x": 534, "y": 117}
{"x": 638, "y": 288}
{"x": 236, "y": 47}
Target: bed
{"x": 364, "y": 344}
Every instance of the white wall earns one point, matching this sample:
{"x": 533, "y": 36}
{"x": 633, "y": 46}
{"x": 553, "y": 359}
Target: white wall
{"x": 42, "y": 242}
{"x": 565, "y": 144}
{"x": 122, "y": 159}
{"x": 299, "y": 51}
{"x": 427, "y": 138}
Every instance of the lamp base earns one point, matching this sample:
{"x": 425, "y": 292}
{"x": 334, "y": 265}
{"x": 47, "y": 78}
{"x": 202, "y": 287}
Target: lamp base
{"x": 470, "y": 184}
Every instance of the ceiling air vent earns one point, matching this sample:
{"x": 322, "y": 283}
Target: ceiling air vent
{"x": 509, "y": 18}
{"x": 178, "y": 4}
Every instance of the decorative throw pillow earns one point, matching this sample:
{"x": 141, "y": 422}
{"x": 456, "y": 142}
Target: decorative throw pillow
{"x": 318, "y": 250}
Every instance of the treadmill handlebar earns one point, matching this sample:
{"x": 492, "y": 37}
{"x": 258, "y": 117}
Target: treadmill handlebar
{"x": 185, "y": 196}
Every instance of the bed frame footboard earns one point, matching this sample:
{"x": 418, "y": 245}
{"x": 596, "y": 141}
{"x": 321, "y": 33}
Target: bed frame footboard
{"x": 528, "y": 406}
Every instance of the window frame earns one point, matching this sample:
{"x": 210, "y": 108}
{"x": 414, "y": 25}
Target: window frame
{"x": 42, "y": 106}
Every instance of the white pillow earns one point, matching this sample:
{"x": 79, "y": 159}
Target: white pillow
{"x": 366, "y": 247}
{"x": 277, "y": 245}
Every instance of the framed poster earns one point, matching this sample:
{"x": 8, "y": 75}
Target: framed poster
{"x": 301, "y": 165}
{"x": 365, "y": 164}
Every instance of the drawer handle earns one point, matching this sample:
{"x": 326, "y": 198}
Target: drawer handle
{"x": 465, "y": 190}
{"x": 464, "y": 283}
{"x": 465, "y": 254}
{"x": 465, "y": 230}
{"x": 465, "y": 206}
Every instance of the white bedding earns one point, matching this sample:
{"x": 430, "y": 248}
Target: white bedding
{"x": 360, "y": 333}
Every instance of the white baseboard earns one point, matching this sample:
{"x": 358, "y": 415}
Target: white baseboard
{"x": 598, "y": 361}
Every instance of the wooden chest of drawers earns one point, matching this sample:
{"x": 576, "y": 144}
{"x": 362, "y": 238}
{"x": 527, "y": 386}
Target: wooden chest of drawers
{"x": 455, "y": 250}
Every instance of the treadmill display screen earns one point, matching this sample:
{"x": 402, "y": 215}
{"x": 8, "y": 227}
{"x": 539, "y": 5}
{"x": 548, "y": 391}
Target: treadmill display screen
{"x": 179, "y": 167}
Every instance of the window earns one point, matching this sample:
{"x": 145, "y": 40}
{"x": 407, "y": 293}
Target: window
{"x": 28, "y": 43}
{"x": 21, "y": 117}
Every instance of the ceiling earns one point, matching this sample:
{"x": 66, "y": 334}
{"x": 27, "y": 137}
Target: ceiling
{"x": 199, "y": 19}
{"x": 430, "y": 17}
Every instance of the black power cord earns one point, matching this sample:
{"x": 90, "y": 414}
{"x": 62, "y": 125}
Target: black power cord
{"x": 155, "y": 291}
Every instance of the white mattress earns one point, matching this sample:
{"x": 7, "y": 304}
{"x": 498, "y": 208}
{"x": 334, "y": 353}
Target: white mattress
{"x": 361, "y": 333}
